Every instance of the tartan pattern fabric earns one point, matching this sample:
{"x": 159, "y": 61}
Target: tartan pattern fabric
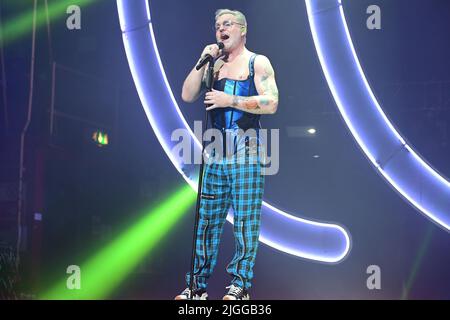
{"x": 238, "y": 183}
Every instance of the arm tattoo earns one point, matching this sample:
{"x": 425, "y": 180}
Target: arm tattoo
{"x": 235, "y": 102}
{"x": 270, "y": 93}
{"x": 265, "y": 101}
{"x": 267, "y": 82}
{"x": 246, "y": 102}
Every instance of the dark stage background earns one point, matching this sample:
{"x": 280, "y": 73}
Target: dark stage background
{"x": 88, "y": 195}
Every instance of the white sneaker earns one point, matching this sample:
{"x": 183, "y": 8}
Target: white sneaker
{"x": 236, "y": 293}
{"x": 199, "y": 294}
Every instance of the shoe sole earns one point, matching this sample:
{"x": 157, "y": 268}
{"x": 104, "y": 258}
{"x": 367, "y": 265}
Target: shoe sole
{"x": 182, "y": 297}
{"x": 228, "y": 297}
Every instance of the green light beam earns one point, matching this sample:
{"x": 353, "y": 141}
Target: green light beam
{"x": 418, "y": 262}
{"x": 19, "y": 26}
{"x": 101, "y": 274}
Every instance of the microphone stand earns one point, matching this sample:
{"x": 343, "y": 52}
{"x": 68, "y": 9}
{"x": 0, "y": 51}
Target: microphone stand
{"x": 209, "y": 82}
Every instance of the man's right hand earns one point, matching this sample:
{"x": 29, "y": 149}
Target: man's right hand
{"x": 192, "y": 86}
{"x": 211, "y": 49}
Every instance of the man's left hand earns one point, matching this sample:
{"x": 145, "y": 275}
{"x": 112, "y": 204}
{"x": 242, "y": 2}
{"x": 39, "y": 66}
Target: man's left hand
{"x": 217, "y": 99}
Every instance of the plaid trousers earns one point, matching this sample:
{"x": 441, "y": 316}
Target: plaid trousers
{"x": 236, "y": 181}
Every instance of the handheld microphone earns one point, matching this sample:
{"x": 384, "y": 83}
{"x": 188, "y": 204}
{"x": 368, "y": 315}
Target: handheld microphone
{"x": 207, "y": 57}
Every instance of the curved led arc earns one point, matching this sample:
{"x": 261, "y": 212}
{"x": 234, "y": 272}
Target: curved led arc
{"x": 319, "y": 241}
{"x": 421, "y": 186}
{"x": 142, "y": 96}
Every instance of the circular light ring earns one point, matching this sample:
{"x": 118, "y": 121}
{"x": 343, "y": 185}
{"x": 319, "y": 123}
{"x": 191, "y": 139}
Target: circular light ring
{"x": 413, "y": 178}
{"x": 318, "y": 241}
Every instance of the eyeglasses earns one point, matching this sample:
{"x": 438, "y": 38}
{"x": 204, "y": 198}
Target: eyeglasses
{"x": 226, "y": 24}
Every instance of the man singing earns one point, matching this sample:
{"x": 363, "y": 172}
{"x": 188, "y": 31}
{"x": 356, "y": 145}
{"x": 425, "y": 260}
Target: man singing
{"x": 244, "y": 88}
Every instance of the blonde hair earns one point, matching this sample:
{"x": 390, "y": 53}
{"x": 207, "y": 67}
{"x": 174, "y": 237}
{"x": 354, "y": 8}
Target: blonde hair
{"x": 240, "y": 17}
